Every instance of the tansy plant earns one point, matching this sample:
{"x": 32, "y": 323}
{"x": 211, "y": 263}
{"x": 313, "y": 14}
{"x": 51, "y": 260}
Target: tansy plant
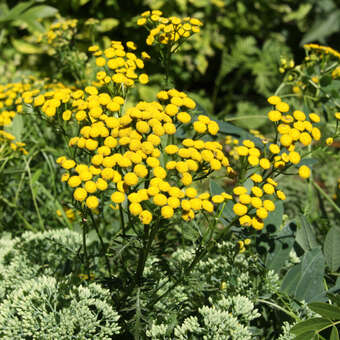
{"x": 146, "y": 166}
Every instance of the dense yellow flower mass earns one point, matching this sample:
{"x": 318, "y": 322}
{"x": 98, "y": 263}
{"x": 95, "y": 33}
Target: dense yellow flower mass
{"x": 119, "y": 65}
{"x": 168, "y": 31}
{"x": 322, "y": 49}
{"x": 132, "y": 158}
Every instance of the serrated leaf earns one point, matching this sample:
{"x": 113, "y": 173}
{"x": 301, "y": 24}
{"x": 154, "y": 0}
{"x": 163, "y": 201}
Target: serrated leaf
{"x": 323, "y": 28}
{"x": 325, "y": 310}
{"x": 332, "y": 248}
{"x": 305, "y": 235}
{"x": 313, "y": 324}
{"x": 299, "y": 14}
{"x": 334, "y": 334}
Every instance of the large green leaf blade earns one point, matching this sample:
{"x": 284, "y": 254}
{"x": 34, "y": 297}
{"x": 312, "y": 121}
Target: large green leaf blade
{"x": 305, "y": 235}
{"x": 334, "y": 334}
{"x": 332, "y": 248}
{"x": 15, "y": 12}
{"x": 310, "y": 325}
{"x": 325, "y": 310}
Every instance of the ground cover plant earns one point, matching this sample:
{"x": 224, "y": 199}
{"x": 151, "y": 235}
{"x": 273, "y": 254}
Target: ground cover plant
{"x": 134, "y": 208}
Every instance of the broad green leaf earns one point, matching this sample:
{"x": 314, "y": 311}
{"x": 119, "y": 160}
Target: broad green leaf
{"x": 107, "y": 24}
{"x": 304, "y": 281}
{"x": 305, "y": 235}
{"x": 310, "y": 284}
{"x": 305, "y": 336}
{"x": 313, "y": 324}
{"x": 14, "y": 12}
{"x": 332, "y": 248}
{"x": 148, "y": 93}
{"x": 215, "y": 188}
{"x": 202, "y": 63}
{"x": 334, "y": 334}
{"x": 291, "y": 279}
{"x": 38, "y": 12}
{"x": 325, "y": 310}
{"x": 323, "y": 28}
{"x": 283, "y": 244}
{"x": 275, "y": 217}
{"x": 25, "y": 47}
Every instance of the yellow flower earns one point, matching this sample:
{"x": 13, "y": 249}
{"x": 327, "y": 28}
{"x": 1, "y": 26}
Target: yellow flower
{"x": 80, "y": 194}
{"x": 118, "y": 197}
{"x": 130, "y": 179}
{"x": 145, "y": 217}
{"x": 92, "y": 202}
{"x": 74, "y": 181}
{"x": 167, "y": 211}
{"x": 304, "y": 171}
{"x": 240, "y": 209}
{"x": 274, "y": 100}
{"x": 135, "y": 209}
{"x": 274, "y": 115}
{"x": 329, "y": 141}
{"x": 143, "y": 78}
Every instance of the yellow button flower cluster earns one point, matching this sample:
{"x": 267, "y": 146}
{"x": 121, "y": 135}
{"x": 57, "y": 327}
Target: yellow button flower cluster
{"x": 119, "y": 65}
{"x": 11, "y": 101}
{"x": 60, "y": 33}
{"x": 7, "y": 139}
{"x": 168, "y": 31}
{"x": 322, "y": 49}
{"x": 132, "y": 159}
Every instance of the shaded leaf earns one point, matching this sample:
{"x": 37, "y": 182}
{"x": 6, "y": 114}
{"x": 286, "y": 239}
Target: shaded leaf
{"x": 313, "y": 324}
{"x": 326, "y": 310}
{"x": 305, "y": 235}
{"x": 283, "y": 244}
{"x": 332, "y": 248}
{"x": 334, "y": 334}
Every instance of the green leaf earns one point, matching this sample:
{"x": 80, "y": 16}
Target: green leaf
{"x": 305, "y": 235}
{"x": 323, "y": 28}
{"x": 17, "y": 127}
{"x": 25, "y": 47}
{"x": 313, "y": 324}
{"x": 38, "y": 12}
{"x": 107, "y": 24}
{"x": 202, "y": 63}
{"x": 275, "y": 217}
{"x": 305, "y": 280}
{"x": 291, "y": 279}
{"x": 332, "y": 248}
{"x": 299, "y": 14}
{"x": 215, "y": 188}
{"x": 325, "y": 310}
{"x": 305, "y": 336}
{"x": 334, "y": 334}
{"x": 15, "y": 12}
{"x": 283, "y": 244}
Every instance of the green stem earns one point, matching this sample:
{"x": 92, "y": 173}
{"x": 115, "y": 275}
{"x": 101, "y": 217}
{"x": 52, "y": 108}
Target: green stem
{"x": 86, "y": 259}
{"x": 101, "y": 243}
{"x": 326, "y": 196}
{"x": 291, "y": 314}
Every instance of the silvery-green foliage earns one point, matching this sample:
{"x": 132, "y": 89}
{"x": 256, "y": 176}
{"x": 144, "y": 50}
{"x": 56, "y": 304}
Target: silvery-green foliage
{"x": 227, "y": 318}
{"x": 14, "y": 268}
{"x": 286, "y": 335}
{"x": 50, "y": 248}
{"x": 42, "y": 309}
